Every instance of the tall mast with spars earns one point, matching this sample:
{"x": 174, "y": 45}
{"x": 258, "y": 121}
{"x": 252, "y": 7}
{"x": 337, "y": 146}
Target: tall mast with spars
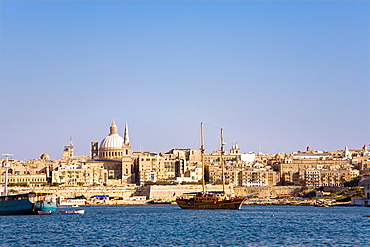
{"x": 222, "y": 160}
{"x": 202, "y": 156}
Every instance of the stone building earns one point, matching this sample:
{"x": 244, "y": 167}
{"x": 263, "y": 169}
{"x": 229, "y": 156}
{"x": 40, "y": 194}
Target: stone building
{"x": 31, "y": 172}
{"x": 80, "y": 174}
{"x": 317, "y": 177}
{"x": 148, "y": 167}
{"x": 258, "y": 177}
{"x": 314, "y": 168}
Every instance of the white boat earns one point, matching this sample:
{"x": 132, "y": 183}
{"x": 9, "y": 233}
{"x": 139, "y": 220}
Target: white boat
{"x": 44, "y": 212}
{"x": 72, "y": 212}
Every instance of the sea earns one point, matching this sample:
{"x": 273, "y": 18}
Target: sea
{"x": 168, "y": 225}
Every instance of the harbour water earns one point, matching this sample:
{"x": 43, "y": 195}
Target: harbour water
{"x": 168, "y": 225}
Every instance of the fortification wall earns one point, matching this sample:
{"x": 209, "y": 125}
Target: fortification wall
{"x": 158, "y": 191}
{"x": 171, "y": 192}
{"x": 267, "y": 191}
{"x": 72, "y": 192}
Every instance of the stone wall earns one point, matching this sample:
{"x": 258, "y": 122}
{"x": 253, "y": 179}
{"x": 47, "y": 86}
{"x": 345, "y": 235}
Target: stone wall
{"x": 172, "y": 191}
{"x": 169, "y": 192}
{"x": 268, "y": 191}
{"x": 72, "y": 192}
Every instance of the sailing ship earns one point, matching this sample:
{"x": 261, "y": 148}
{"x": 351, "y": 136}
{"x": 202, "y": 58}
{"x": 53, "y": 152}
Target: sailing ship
{"x": 210, "y": 199}
{"x": 29, "y": 203}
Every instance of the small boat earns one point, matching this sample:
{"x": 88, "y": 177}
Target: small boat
{"x": 72, "y": 212}
{"x": 160, "y": 202}
{"x": 47, "y": 212}
{"x": 368, "y": 215}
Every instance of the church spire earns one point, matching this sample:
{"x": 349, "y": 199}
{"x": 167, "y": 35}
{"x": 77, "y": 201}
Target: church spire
{"x": 126, "y": 138}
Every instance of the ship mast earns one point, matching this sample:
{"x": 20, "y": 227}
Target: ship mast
{"x": 202, "y": 156}
{"x": 6, "y": 174}
{"x": 222, "y": 160}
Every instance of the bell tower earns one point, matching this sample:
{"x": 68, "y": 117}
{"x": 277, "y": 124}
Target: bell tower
{"x": 94, "y": 150}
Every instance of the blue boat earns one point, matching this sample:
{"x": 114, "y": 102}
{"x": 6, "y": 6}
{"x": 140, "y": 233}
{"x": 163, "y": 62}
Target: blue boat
{"x": 30, "y": 203}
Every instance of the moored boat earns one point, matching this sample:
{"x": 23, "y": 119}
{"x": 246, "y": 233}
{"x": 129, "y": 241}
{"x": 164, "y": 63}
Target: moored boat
{"x": 72, "y": 212}
{"x": 210, "y": 200}
{"x": 159, "y": 201}
{"x": 44, "y": 212}
{"x": 30, "y": 203}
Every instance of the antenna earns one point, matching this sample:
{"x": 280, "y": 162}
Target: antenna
{"x": 70, "y": 141}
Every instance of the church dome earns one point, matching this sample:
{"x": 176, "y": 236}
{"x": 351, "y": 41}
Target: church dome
{"x": 45, "y": 156}
{"x": 113, "y": 140}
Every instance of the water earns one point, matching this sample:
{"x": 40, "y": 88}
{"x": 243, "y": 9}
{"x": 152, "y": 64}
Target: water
{"x": 168, "y": 225}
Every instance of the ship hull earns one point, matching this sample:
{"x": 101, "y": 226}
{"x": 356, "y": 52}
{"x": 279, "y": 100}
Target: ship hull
{"x": 23, "y": 206}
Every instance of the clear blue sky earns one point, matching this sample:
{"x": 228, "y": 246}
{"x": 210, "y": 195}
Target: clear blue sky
{"x": 276, "y": 75}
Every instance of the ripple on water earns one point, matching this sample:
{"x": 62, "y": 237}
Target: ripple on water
{"x": 168, "y": 225}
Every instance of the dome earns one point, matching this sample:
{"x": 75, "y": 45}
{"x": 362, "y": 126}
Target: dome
{"x": 45, "y": 156}
{"x": 111, "y": 142}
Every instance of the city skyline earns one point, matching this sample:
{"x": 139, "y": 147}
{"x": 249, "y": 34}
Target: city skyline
{"x": 276, "y": 76}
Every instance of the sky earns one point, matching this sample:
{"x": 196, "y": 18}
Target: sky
{"x": 277, "y": 76}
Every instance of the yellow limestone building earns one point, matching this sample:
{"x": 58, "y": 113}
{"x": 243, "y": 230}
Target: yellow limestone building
{"x": 114, "y": 153}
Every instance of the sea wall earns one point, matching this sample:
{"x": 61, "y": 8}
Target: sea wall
{"x": 171, "y": 192}
{"x": 75, "y": 191}
{"x": 157, "y": 191}
{"x": 267, "y": 191}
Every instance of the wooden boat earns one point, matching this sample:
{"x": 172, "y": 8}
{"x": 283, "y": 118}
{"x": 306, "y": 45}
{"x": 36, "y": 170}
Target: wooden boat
{"x": 210, "y": 200}
{"x": 72, "y": 212}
